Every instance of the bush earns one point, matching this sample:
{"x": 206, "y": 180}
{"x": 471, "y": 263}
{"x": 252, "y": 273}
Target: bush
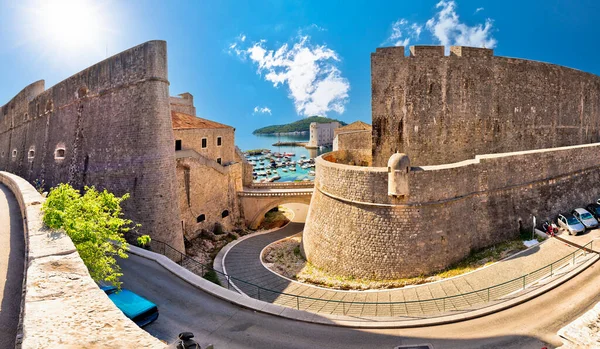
{"x": 93, "y": 222}
{"x": 143, "y": 240}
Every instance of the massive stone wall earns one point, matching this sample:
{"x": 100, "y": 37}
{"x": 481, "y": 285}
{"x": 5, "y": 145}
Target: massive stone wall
{"x": 442, "y": 109}
{"x": 108, "y": 126}
{"x": 355, "y": 229}
{"x": 353, "y": 140}
{"x": 208, "y": 189}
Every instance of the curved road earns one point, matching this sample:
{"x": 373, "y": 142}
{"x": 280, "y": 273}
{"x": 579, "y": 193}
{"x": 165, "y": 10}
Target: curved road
{"x": 12, "y": 254}
{"x": 185, "y": 308}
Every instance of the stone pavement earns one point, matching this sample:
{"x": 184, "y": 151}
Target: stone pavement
{"x": 250, "y": 277}
{"x": 12, "y": 254}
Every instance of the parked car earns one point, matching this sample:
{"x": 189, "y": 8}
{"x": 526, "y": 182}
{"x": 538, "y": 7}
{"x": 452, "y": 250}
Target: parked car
{"x": 594, "y": 209}
{"x": 570, "y": 223}
{"x": 137, "y": 308}
{"x": 585, "y": 218}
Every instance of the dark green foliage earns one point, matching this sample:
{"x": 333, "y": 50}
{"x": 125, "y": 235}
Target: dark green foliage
{"x": 298, "y": 126}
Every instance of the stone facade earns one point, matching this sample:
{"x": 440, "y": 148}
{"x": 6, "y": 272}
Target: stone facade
{"x": 210, "y": 172}
{"x": 441, "y": 109}
{"x": 538, "y": 123}
{"x": 108, "y": 126}
{"x": 321, "y": 134}
{"x": 357, "y": 135}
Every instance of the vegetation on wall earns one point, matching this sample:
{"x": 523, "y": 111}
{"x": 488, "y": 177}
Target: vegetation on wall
{"x": 95, "y": 224}
{"x": 297, "y": 126}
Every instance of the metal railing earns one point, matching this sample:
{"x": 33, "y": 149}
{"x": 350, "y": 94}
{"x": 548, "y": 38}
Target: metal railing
{"x": 357, "y": 307}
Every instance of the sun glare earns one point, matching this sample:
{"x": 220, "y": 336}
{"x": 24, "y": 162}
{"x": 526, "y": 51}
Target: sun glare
{"x": 68, "y": 28}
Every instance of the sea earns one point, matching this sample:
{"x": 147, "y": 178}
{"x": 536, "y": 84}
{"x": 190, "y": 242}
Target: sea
{"x": 250, "y": 141}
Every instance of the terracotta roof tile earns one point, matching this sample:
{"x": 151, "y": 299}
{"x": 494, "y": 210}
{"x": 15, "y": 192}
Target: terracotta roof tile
{"x": 185, "y": 121}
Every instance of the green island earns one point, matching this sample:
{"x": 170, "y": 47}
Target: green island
{"x": 297, "y": 126}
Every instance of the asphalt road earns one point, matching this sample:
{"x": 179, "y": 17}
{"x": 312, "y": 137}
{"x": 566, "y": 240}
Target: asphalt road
{"x": 12, "y": 253}
{"x": 185, "y": 308}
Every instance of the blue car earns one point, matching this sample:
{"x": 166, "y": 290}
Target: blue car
{"x": 137, "y": 308}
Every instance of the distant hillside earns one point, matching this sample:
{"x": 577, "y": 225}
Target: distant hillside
{"x": 298, "y": 126}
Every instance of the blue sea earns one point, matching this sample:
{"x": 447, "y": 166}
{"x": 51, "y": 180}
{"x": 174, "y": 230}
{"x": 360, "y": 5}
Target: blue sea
{"x": 250, "y": 141}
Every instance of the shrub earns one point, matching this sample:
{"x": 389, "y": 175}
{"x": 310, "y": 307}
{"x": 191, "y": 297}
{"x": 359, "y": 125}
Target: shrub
{"x": 94, "y": 223}
{"x": 143, "y": 240}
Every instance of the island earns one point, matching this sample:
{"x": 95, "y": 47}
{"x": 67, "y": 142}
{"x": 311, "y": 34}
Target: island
{"x": 299, "y": 126}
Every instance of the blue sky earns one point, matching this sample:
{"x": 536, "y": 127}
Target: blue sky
{"x": 255, "y": 63}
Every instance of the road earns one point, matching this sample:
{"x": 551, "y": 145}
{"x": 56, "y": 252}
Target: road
{"x": 12, "y": 253}
{"x": 185, "y": 308}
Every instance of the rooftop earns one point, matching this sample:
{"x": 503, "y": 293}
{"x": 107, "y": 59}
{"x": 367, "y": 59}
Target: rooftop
{"x": 183, "y": 121}
{"x": 355, "y": 126}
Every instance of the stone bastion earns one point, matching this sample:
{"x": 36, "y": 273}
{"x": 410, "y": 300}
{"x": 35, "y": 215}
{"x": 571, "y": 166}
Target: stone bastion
{"x": 403, "y": 221}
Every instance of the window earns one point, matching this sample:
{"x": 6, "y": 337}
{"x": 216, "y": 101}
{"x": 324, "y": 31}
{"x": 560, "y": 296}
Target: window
{"x": 219, "y": 161}
{"x": 218, "y": 141}
{"x": 14, "y": 153}
{"x": 200, "y": 218}
{"x": 25, "y": 117}
{"x": 59, "y": 153}
{"x": 31, "y": 154}
{"x": 203, "y": 142}
{"x": 224, "y": 214}
{"x": 178, "y": 144}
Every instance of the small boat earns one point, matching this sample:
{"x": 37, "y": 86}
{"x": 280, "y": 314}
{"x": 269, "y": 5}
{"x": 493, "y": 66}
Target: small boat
{"x": 284, "y": 170}
{"x": 311, "y": 173}
{"x": 304, "y": 167}
{"x": 289, "y": 154}
{"x": 303, "y": 156}
{"x": 306, "y": 180}
{"x": 268, "y": 172}
{"x": 292, "y": 169}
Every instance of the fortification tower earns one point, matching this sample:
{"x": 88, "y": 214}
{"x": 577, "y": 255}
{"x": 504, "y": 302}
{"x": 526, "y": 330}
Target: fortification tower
{"x": 488, "y": 143}
{"x": 108, "y": 126}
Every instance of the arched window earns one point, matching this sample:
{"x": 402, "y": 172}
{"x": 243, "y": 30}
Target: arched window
{"x": 31, "y": 153}
{"x": 224, "y": 214}
{"x": 200, "y": 218}
{"x": 14, "y": 153}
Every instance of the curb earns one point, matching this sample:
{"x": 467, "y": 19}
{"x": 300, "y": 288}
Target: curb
{"x": 343, "y": 321}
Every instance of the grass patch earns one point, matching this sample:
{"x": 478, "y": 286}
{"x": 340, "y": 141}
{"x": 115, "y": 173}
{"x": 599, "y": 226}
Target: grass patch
{"x": 285, "y": 258}
{"x": 211, "y": 276}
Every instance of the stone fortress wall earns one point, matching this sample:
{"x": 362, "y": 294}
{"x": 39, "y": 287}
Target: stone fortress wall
{"x": 108, "y": 126}
{"x": 441, "y": 109}
{"x": 354, "y": 228}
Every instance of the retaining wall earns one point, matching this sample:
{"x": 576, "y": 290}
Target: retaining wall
{"x": 355, "y": 229}
{"x": 62, "y": 305}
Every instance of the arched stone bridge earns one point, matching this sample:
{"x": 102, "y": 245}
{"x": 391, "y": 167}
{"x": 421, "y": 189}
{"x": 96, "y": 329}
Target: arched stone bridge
{"x": 258, "y": 199}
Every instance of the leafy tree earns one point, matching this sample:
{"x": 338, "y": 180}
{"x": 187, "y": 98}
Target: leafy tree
{"x": 94, "y": 223}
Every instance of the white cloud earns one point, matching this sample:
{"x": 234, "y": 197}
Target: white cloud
{"x": 403, "y": 32}
{"x": 445, "y": 28}
{"x": 263, "y": 110}
{"x": 449, "y": 30}
{"x": 234, "y": 47}
{"x": 312, "y": 76}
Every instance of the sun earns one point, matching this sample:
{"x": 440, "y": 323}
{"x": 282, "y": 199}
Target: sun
{"x": 65, "y": 29}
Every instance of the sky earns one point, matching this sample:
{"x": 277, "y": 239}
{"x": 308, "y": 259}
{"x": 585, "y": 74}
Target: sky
{"x": 255, "y": 63}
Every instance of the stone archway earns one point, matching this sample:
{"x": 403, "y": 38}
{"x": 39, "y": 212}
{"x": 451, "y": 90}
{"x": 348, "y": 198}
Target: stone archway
{"x": 255, "y": 208}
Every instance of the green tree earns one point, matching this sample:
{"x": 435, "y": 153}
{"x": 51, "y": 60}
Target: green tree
{"x": 95, "y": 224}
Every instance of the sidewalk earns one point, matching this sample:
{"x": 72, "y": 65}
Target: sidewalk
{"x": 242, "y": 263}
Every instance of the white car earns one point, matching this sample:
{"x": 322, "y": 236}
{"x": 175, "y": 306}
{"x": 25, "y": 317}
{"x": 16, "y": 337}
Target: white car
{"x": 585, "y": 218}
{"x": 571, "y": 224}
